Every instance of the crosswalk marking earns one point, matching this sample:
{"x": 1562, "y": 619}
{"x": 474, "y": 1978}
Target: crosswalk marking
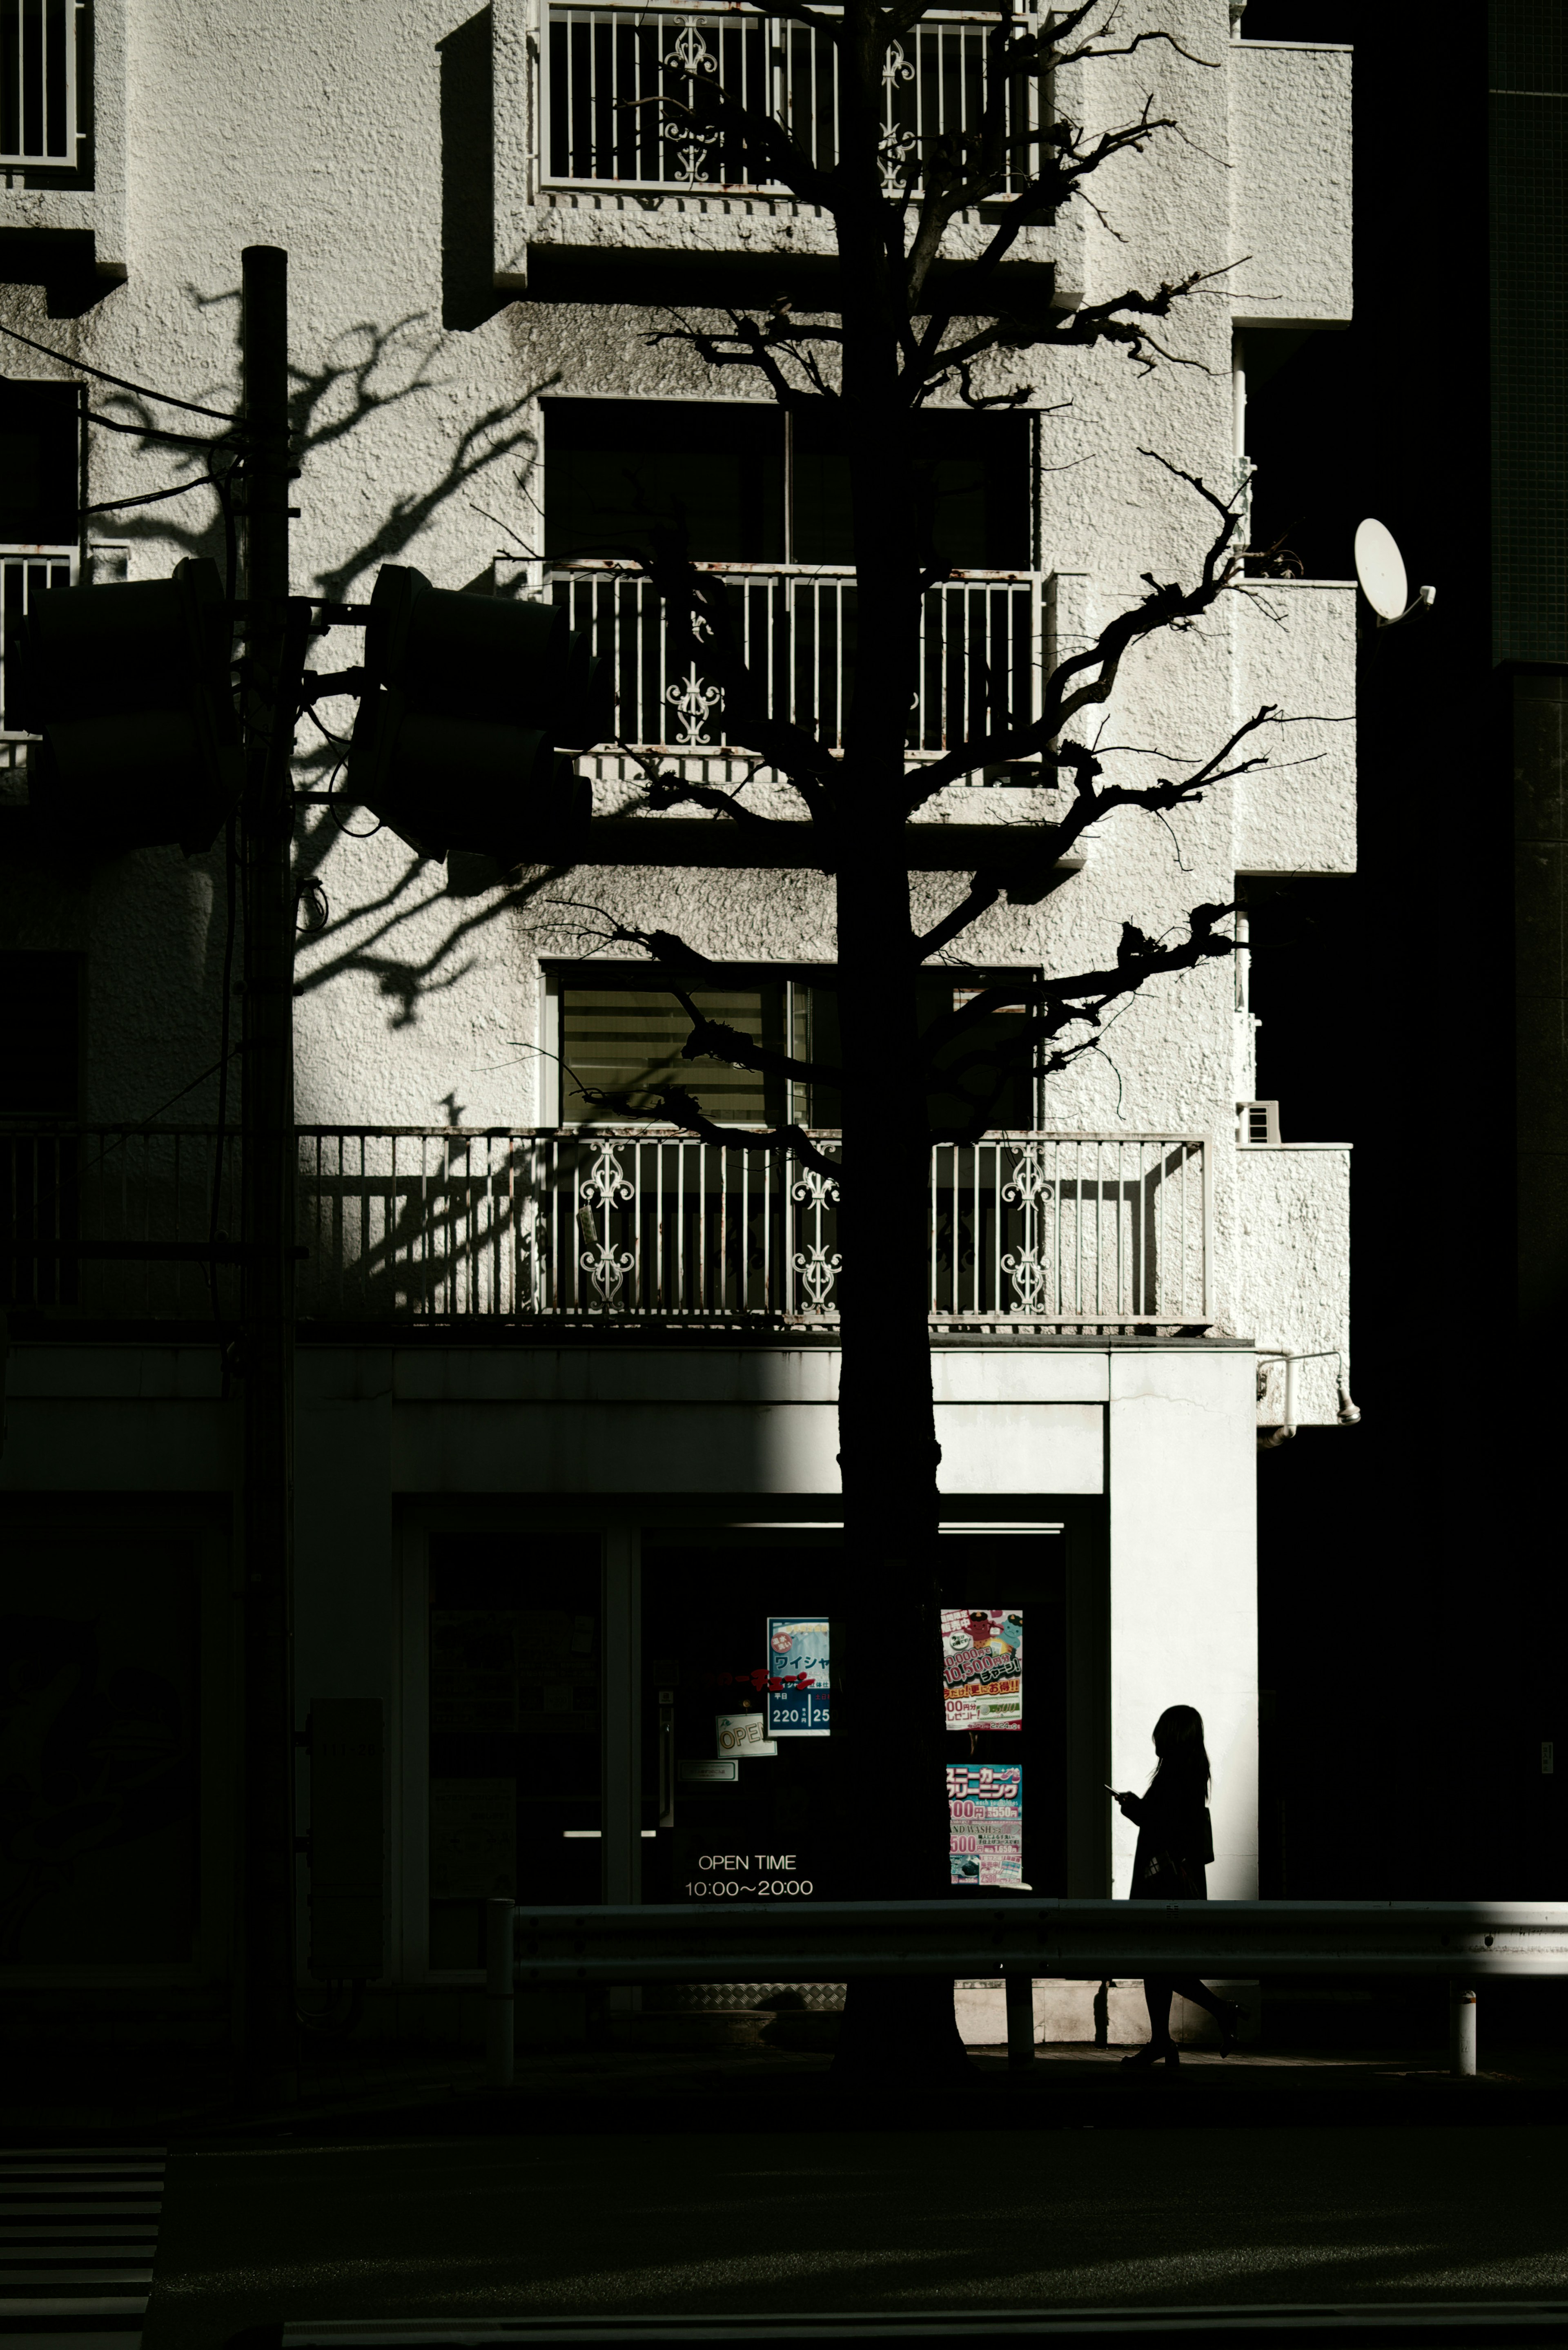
{"x": 77, "y": 2226}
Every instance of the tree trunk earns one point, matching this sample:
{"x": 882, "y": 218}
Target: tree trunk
{"x": 887, "y": 1684}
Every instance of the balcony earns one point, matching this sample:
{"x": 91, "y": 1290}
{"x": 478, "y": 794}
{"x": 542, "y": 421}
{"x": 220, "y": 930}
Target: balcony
{"x": 980, "y": 658}
{"x": 434, "y": 1228}
{"x": 598, "y": 150}
{"x": 62, "y": 128}
{"x": 39, "y": 113}
{"x": 616, "y": 76}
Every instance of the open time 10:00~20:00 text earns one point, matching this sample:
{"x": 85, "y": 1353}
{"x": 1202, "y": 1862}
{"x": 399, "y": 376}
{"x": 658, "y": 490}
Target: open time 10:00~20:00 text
{"x": 725, "y": 1886}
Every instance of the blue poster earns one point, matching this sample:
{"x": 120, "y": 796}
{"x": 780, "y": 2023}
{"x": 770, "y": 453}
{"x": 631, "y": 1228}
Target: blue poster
{"x": 797, "y": 1676}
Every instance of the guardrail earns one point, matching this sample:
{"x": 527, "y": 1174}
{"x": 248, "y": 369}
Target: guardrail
{"x": 1464, "y": 1942}
{"x": 980, "y": 653}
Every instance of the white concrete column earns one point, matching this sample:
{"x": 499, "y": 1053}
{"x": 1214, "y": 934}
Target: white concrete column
{"x": 1184, "y": 1589}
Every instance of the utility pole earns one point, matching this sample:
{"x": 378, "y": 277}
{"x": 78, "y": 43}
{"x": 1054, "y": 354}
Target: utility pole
{"x": 274, "y": 646}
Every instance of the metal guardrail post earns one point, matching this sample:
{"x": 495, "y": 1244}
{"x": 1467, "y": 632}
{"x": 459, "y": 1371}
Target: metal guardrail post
{"x": 1020, "y": 1995}
{"x": 1462, "y": 2031}
{"x": 499, "y": 1993}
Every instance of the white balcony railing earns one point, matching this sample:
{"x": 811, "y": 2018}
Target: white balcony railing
{"x": 980, "y": 653}
{"x": 1025, "y": 1230}
{"x": 618, "y": 78}
{"x": 437, "y": 1225}
{"x": 27, "y": 573}
{"x": 38, "y": 114}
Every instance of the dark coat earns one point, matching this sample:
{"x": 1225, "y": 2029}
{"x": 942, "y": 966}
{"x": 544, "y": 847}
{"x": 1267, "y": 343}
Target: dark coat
{"x": 1175, "y": 1841}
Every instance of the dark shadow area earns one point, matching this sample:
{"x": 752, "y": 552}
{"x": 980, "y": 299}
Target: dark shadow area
{"x": 60, "y": 261}
{"x": 468, "y": 294}
{"x": 1405, "y": 1600}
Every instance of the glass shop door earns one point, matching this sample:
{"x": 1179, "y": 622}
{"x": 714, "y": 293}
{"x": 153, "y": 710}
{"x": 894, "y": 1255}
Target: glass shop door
{"x": 516, "y": 1702}
{"x": 1022, "y": 1579}
{"x": 737, "y": 1746}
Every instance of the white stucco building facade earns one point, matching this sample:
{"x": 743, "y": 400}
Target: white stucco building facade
{"x": 521, "y": 1419}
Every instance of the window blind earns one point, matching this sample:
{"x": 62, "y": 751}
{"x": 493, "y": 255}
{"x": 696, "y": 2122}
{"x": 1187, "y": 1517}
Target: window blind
{"x": 625, "y": 1044}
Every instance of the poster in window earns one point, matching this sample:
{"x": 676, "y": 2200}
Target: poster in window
{"x": 798, "y": 1677}
{"x": 473, "y": 1838}
{"x": 514, "y": 1669}
{"x": 985, "y": 1824}
{"x": 982, "y": 1668}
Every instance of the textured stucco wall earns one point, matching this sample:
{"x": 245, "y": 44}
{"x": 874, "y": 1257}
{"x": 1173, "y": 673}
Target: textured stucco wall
{"x": 1292, "y": 1243}
{"x": 349, "y": 135}
{"x": 1291, "y": 186}
{"x": 1295, "y": 647}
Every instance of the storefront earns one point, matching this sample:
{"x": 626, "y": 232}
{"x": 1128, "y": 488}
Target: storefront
{"x": 643, "y": 1711}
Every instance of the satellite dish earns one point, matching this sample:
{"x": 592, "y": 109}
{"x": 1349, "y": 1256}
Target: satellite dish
{"x": 1380, "y": 568}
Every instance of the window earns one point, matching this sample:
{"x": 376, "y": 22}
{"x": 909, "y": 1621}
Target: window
{"x": 627, "y": 1043}
{"x": 40, "y": 1034}
{"x": 40, "y": 458}
{"x": 754, "y": 485}
{"x": 40, "y": 474}
{"x": 39, "y": 82}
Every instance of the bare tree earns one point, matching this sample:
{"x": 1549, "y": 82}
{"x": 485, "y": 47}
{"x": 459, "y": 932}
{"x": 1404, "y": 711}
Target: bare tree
{"x": 912, "y": 325}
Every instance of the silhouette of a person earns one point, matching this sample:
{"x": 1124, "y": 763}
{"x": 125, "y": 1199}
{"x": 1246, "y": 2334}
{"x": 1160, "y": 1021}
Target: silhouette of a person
{"x": 1175, "y": 1843}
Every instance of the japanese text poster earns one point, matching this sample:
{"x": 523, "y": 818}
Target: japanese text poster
{"x": 797, "y": 1676}
{"x": 985, "y": 1824}
{"x": 982, "y": 1668}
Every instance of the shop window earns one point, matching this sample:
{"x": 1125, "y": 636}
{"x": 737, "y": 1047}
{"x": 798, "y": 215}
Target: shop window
{"x": 742, "y": 1794}
{"x": 99, "y": 1752}
{"x": 514, "y": 1719}
{"x": 750, "y": 483}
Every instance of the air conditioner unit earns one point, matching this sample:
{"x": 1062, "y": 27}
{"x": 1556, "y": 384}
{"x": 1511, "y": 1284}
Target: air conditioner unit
{"x": 1257, "y": 1122}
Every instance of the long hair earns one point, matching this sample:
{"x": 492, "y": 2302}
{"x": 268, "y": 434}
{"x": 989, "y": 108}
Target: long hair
{"x": 1179, "y": 1743}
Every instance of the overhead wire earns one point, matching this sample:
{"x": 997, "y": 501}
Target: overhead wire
{"x": 120, "y": 383}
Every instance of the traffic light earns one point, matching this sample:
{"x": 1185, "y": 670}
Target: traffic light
{"x": 469, "y": 701}
{"x": 128, "y": 687}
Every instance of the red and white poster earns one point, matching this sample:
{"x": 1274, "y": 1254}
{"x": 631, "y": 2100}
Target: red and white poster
{"x": 982, "y": 1668}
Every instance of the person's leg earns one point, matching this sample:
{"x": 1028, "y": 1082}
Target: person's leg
{"x": 1156, "y": 1991}
{"x": 1188, "y": 1987}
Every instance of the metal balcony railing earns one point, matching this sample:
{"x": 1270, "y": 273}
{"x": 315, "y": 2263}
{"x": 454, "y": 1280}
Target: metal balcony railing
{"x": 111, "y": 1221}
{"x": 619, "y": 78}
{"x": 38, "y": 103}
{"x": 27, "y": 573}
{"x": 437, "y": 1225}
{"x": 980, "y": 653}
{"x": 1042, "y": 1230}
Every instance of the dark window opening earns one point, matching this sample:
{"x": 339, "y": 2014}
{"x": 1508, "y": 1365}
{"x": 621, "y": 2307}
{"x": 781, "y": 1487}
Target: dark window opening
{"x": 40, "y": 458}
{"x": 1305, "y": 952}
{"x": 749, "y": 484}
{"x": 613, "y": 469}
{"x": 40, "y": 1034}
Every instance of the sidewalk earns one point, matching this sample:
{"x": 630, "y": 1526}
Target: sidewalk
{"x": 422, "y": 2091}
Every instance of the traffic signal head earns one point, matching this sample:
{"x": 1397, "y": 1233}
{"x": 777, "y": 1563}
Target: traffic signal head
{"x": 128, "y": 688}
{"x": 468, "y": 702}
